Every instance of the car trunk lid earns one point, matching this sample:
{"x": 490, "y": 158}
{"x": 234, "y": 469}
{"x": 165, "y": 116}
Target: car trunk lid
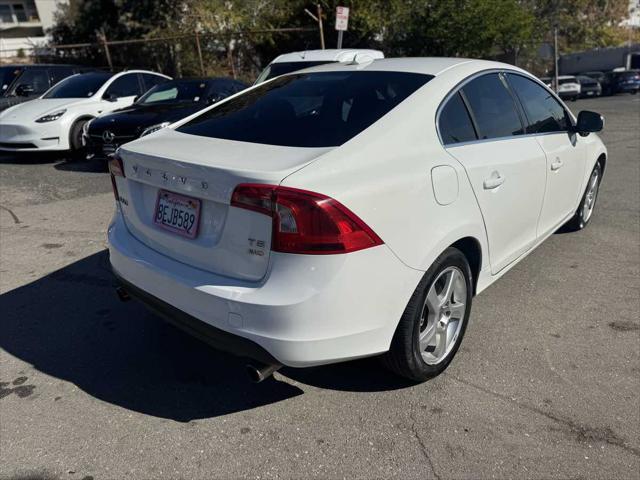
{"x": 229, "y": 241}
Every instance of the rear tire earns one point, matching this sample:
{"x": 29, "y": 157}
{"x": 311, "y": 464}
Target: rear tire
{"x": 433, "y": 323}
{"x": 583, "y": 215}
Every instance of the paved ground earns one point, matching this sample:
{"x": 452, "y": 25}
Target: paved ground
{"x": 546, "y": 384}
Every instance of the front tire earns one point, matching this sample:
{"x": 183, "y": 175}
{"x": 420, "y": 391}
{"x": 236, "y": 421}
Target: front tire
{"x": 433, "y": 323}
{"x": 583, "y": 215}
{"x": 75, "y": 138}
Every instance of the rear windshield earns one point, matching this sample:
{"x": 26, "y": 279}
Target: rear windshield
{"x": 277, "y": 69}
{"x": 563, "y": 81}
{"x": 321, "y": 109}
{"x": 79, "y": 86}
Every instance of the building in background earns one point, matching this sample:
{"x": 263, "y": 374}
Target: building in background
{"x": 23, "y": 25}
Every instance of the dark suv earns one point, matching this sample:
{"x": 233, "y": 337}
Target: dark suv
{"x": 19, "y": 83}
{"x": 626, "y": 81}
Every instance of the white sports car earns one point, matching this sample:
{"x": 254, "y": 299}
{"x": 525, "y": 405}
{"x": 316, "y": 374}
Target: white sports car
{"x": 350, "y": 210}
{"x": 55, "y": 120}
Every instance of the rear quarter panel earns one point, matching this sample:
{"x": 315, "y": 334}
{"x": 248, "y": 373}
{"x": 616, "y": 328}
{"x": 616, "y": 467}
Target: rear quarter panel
{"x": 384, "y": 176}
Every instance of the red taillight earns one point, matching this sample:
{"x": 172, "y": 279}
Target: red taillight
{"x": 306, "y": 222}
{"x": 116, "y": 168}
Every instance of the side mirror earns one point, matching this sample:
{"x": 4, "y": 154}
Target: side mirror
{"x": 24, "y": 90}
{"x": 111, "y": 97}
{"x": 588, "y": 122}
{"x": 136, "y": 98}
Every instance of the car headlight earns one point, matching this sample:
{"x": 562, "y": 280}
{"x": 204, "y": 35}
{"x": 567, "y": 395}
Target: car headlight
{"x": 50, "y": 117}
{"x": 154, "y": 128}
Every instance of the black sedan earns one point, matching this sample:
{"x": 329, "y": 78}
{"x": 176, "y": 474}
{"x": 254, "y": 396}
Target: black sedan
{"x": 162, "y": 105}
{"x": 589, "y": 87}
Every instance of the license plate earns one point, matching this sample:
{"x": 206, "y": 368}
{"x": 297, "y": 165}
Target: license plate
{"x": 589, "y": 93}
{"x": 177, "y": 213}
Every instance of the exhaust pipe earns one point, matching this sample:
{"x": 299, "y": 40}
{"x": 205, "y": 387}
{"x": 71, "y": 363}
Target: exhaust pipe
{"x": 259, "y": 371}
{"x": 123, "y": 295}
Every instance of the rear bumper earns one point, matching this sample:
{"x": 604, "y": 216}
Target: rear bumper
{"x": 215, "y": 337}
{"x": 308, "y": 310}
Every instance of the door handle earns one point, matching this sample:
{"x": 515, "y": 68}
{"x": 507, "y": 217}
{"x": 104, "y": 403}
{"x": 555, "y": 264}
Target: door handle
{"x": 557, "y": 164}
{"x": 494, "y": 181}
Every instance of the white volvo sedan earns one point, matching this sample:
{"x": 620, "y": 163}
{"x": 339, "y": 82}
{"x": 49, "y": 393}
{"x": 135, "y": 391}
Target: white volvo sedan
{"x": 350, "y": 210}
{"x": 54, "y": 121}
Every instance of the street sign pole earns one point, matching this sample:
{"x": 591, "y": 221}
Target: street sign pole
{"x": 342, "y": 22}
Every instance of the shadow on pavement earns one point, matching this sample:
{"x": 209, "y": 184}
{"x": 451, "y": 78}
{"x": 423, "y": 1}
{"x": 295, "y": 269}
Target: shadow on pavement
{"x": 70, "y": 325}
{"x": 30, "y": 157}
{"x": 78, "y": 164}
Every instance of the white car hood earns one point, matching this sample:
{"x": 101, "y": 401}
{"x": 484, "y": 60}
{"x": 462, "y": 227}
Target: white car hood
{"x": 31, "y": 110}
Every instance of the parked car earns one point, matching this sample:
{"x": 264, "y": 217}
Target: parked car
{"x": 351, "y": 210}
{"x": 625, "y": 81}
{"x": 19, "y": 83}
{"x": 162, "y": 105}
{"x": 596, "y": 75}
{"x": 589, "y": 87}
{"x": 55, "y": 120}
{"x": 568, "y": 87}
{"x": 291, "y": 62}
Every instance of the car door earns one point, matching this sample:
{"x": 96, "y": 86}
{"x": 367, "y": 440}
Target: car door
{"x": 122, "y": 91}
{"x": 564, "y": 150}
{"x": 506, "y": 169}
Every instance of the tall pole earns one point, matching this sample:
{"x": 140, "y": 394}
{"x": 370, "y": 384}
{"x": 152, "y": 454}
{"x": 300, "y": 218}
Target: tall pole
{"x": 320, "y": 26}
{"x": 339, "y": 39}
{"x": 105, "y": 45}
{"x": 199, "y": 53}
{"x": 555, "y": 57}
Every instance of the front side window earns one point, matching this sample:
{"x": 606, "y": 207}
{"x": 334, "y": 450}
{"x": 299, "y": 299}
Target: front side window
{"x": 544, "y": 113}
{"x": 320, "y": 109}
{"x": 36, "y": 78}
{"x": 492, "y": 107}
{"x": 125, "y": 86}
{"x": 79, "y": 86}
{"x": 454, "y": 123}
{"x": 7, "y": 76}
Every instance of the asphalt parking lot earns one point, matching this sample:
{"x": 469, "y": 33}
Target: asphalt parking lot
{"x": 546, "y": 384}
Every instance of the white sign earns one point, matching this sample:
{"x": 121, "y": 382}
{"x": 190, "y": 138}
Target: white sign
{"x": 342, "y": 18}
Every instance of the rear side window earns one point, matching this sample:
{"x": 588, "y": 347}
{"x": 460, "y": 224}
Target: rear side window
{"x": 544, "y": 113}
{"x": 455, "y": 124}
{"x": 492, "y": 107}
{"x": 59, "y": 73}
{"x": 320, "y": 109}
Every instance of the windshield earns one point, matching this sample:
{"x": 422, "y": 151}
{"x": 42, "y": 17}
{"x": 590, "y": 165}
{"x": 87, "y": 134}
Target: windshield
{"x": 79, "y": 86}
{"x": 190, "y": 91}
{"x": 277, "y": 69}
{"x": 321, "y": 109}
{"x": 7, "y": 76}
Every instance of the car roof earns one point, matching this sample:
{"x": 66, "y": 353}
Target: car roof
{"x": 425, "y": 65}
{"x": 566, "y": 77}
{"x": 329, "y": 55}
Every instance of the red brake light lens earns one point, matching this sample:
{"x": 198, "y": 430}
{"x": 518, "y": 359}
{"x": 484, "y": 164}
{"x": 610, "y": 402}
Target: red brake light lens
{"x": 306, "y": 222}
{"x": 116, "y": 166}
